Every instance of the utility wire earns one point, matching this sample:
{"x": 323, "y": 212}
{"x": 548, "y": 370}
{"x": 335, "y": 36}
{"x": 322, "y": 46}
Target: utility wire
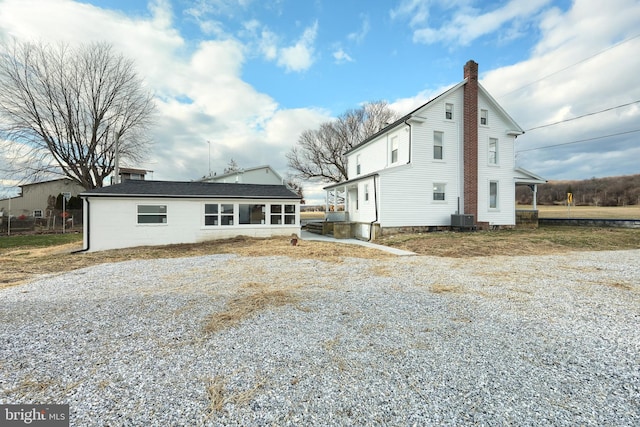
{"x": 584, "y": 115}
{"x": 572, "y": 65}
{"x": 581, "y": 140}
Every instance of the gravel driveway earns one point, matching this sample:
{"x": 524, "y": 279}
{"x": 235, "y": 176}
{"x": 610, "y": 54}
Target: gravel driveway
{"x": 417, "y": 340}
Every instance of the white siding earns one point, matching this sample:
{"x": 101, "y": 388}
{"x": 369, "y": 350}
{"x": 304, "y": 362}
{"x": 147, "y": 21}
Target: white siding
{"x": 376, "y": 155}
{"x": 502, "y": 172}
{"x": 113, "y": 222}
{"x": 406, "y": 194}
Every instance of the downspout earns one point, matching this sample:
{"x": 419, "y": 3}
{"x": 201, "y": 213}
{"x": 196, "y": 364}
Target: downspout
{"x": 375, "y": 203}
{"x": 87, "y": 229}
{"x": 406, "y": 122}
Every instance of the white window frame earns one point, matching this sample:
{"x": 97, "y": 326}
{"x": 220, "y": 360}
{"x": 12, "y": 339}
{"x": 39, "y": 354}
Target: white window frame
{"x": 494, "y": 198}
{"x": 281, "y": 213}
{"x": 493, "y": 158}
{"x": 484, "y": 117}
{"x": 448, "y": 111}
{"x": 394, "y": 149}
{"x": 439, "y": 188}
{"x": 160, "y": 214}
{"x": 441, "y": 145}
{"x": 37, "y": 213}
{"x": 366, "y": 192}
{"x": 358, "y": 167}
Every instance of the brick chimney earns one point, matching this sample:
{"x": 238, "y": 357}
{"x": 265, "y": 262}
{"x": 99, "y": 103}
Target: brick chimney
{"x": 470, "y": 139}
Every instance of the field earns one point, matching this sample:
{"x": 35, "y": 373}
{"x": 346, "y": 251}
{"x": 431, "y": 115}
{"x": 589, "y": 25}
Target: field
{"x": 609, "y": 212}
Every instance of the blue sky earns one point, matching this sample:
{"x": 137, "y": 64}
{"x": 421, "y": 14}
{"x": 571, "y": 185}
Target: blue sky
{"x": 251, "y": 75}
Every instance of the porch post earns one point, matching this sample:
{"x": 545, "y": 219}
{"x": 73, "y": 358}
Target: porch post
{"x": 535, "y": 197}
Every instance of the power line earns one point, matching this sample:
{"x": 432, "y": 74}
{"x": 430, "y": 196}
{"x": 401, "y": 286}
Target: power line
{"x": 572, "y": 65}
{"x": 584, "y": 115}
{"x": 581, "y": 140}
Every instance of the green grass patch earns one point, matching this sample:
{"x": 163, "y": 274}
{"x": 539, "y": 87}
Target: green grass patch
{"x": 38, "y": 240}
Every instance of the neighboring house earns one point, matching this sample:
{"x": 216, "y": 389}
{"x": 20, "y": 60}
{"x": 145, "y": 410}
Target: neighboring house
{"x": 142, "y": 213}
{"x": 33, "y": 200}
{"x": 131, "y": 173}
{"x": 453, "y": 155}
{"x": 257, "y": 175}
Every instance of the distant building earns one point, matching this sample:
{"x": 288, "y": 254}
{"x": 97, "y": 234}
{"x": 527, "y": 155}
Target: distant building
{"x": 34, "y": 198}
{"x": 131, "y": 173}
{"x": 257, "y": 175}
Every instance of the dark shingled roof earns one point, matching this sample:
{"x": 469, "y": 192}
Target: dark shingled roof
{"x": 142, "y": 188}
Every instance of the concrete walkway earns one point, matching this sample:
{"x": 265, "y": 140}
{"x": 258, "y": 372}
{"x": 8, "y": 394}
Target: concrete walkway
{"x": 305, "y": 235}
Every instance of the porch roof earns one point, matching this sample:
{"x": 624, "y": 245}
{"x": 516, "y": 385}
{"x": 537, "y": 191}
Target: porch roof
{"x": 523, "y": 176}
{"x": 351, "y": 181}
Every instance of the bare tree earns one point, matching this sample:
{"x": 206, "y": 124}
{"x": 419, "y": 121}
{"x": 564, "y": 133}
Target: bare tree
{"x": 232, "y": 166}
{"x": 319, "y": 153}
{"x": 64, "y": 111}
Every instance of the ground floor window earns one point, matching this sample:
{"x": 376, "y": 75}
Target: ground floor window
{"x": 283, "y": 214}
{"x": 217, "y": 214}
{"x": 493, "y": 194}
{"x": 152, "y": 214}
{"x": 438, "y": 192}
{"x": 251, "y": 214}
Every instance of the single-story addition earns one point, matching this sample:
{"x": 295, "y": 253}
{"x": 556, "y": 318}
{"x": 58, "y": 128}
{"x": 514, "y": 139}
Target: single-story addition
{"x": 448, "y": 163}
{"x": 144, "y": 213}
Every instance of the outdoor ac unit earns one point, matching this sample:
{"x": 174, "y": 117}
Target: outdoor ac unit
{"x": 462, "y": 221}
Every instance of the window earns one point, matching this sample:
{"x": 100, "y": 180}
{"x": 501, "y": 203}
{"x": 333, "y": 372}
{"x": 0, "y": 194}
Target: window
{"x": 493, "y": 194}
{"x": 251, "y": 214}
{"x": 366, "y": 192}
{"x": 37, "y": 213}
{"x": 358, "y": 164}
{"x": 152, "y": 214}
{"x": 277, "y": 212}
{"x": 484, "y": 117}
{"x": 226, "y": 214}
{"x": 448, "y": 111}
{"x": 394, "y": 149}
{"x": 438, "y": 192}
{"x": 437, "y": 145}
{"x": 493, "y": 151}
{"x": 211, "y": 215}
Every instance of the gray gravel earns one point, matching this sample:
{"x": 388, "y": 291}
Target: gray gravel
{"x": 532, "y": 340}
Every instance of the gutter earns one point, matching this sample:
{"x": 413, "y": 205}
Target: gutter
{"x": 87, "y": 229}
{"x": 406, "y": 122}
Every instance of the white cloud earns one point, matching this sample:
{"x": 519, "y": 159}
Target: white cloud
{"x": 584, "y": 62}
{"x": 361, "y": 34}
{"x": 467, "y": 23}
{"x": 300, "y": 56}
{"x": 201, "y": 95}
{"x": 341, "y": 56}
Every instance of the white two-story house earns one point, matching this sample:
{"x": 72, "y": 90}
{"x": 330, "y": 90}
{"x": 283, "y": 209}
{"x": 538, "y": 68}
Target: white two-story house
{"x": 450, "y": 160}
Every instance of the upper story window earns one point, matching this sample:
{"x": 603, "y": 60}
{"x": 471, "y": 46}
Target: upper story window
{"x": 366, "y": 192}
{"x": 152, "y": 214}
{"x": 493, "y": 151}
{"x": 448, "y": 111}
{"x": 484, "y": 117}
{"x": 438, "y": 149}
{"x": 358, "y": 168}
{"x": 394, "y": 149}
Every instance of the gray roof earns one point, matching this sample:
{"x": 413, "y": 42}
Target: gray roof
{"x": 193, "y": 189}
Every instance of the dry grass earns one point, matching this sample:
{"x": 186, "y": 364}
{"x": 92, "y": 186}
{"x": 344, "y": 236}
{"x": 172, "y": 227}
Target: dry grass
{"x": 220, "y": 396}
{"x": 252, "y": 298}
{"x": 22, "y": 264}
{"x": 542, "y": 241}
